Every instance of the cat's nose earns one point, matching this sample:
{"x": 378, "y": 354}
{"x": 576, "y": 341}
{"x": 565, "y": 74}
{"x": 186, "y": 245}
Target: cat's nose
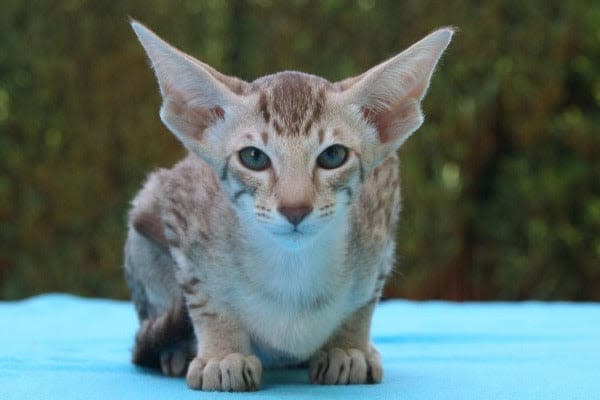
{"x": 295, "y": 214}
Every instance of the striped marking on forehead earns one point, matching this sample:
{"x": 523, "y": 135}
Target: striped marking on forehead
{"x": 292, "y": 102}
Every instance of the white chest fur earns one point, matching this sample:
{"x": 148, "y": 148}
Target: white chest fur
{"x": 293, "y": 300}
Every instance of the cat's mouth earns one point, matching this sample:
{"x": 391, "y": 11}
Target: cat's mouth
{"x": 295, "y": 233}
{"x": 293, "y": 239}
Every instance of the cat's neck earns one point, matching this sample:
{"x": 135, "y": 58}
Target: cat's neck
{"x": 302, "y": 274}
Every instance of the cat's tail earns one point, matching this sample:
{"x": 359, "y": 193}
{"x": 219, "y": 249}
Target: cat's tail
{"x": 162, "y": 333}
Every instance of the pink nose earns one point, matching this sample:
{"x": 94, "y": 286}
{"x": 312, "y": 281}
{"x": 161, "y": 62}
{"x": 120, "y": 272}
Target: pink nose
{"x": 295, "y": 214}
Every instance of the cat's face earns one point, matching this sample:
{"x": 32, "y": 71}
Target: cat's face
{"x": 292, "y": 149}
{"x": 293, "y": 163}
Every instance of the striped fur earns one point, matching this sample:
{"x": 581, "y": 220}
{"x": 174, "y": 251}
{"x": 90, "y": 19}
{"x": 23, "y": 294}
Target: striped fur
{"x": 284, "y": 265}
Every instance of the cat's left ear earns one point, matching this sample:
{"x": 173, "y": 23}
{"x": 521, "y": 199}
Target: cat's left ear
{"x": 388, "y": 96}
{"x": 197, "y": 99}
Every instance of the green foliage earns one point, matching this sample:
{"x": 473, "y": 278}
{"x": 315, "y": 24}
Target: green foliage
{"x": 501, "y": 185}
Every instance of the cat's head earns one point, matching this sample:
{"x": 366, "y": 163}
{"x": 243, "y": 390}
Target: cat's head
{"x": 292, "y": 149}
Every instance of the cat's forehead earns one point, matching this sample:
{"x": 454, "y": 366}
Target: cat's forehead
{"x": 289, "y": 79}
{"x": 291, "y": 102}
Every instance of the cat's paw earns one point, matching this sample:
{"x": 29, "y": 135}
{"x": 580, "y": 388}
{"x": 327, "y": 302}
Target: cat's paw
{"x": 174, "y": 362}
{"x": 234, "y": 373}
{"x": 345, "y": 366}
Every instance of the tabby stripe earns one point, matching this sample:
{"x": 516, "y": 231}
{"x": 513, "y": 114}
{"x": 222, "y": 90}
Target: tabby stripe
{"x": 348, "y": 191}
{"x": 180, "y": 219}
{"x": 225, "y": 170}
{"x": 361, "y": 168}
{"x": 277, "y": 127}
{"x": 264, "y": 108}
{"x": 239, "y": 193}
{"x": 195, "y": 306}
{"x": 190, "y": 286}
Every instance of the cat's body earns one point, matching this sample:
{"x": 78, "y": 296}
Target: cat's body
{"x": 294, "y": 308}
{"x": 277, "y": 231}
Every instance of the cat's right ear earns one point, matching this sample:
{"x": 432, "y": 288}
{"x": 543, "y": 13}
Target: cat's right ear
{"x": 196, "y": 97}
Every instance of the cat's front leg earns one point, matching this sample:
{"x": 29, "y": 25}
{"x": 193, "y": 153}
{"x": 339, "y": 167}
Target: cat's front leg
{"x": 224, "y": 361}
{"x": 348, "y": 357}
{"x": 202, "y": 247}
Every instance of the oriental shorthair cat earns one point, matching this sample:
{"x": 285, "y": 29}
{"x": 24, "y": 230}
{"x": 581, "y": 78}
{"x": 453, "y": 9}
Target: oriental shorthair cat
{"x": 268, "y": 245}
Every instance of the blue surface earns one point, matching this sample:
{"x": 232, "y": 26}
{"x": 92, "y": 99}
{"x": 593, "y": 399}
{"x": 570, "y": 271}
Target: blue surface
{"x": 65, "y": 347}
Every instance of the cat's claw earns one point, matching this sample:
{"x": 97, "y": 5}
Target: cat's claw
{"x": 233, "y": 373}
{"x": 337, "y": 366}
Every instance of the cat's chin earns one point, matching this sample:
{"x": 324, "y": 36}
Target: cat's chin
{"x": 293, "y": 239}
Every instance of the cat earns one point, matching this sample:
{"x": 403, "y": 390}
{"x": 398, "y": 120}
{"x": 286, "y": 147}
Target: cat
{"x": 270, "y": 242}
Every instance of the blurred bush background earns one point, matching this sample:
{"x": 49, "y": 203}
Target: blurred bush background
{"x": 501, "y": 185}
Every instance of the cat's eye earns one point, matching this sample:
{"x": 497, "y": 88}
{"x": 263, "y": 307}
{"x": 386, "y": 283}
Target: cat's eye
{"x": 333, "y": 157}
{"x": 254, "y": 159}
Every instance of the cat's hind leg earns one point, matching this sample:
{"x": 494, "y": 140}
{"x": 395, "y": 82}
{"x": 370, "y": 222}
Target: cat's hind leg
{"x": 165, "y": 339}
{"x": 174, "y": 360}
{"x": 166, "y": 342}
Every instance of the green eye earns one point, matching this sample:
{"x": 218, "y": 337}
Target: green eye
{"x": 332, "y": 157}
{"x": 254, "y": 159}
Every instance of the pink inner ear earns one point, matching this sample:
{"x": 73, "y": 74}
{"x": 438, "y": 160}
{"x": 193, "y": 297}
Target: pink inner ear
{"x": 393, "y": 122}
{"x": 190, "y": 119}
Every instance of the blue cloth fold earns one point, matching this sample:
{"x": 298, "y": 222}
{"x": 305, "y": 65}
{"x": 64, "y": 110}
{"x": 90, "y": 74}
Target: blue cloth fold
{"x": 66, "y": 347}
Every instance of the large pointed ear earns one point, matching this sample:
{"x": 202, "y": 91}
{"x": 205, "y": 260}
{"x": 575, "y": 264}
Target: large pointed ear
{"x": 389, "y": 95}
{"x": 195, "y": 96}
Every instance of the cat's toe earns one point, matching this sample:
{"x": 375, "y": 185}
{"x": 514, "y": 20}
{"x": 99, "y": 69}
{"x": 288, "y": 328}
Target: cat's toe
{"x": 195, "y": 373}
{"x": 173, "y": 362}
{"x": 345, "y": 366}
{"x": 359, "y": 370}
{"x": 240, "y": 373}
{"x": 374, "y": 367}
{"x": 234, "y": 373}
{"x": 332, "y": 367}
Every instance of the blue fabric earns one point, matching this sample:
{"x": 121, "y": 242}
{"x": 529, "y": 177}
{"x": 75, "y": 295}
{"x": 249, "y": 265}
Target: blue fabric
{"x": 65, "y": 347}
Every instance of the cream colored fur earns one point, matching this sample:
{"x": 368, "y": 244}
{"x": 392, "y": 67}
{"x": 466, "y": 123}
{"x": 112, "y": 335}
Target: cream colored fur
{"x": 258, "y": 289}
